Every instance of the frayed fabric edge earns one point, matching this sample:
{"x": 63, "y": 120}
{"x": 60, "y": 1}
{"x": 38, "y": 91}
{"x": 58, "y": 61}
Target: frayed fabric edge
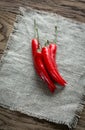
{"x": 78, "y": 111}
{"x": 28, "y": 9}
{"x": 80, "y": 107}
{"x": 70, "y": 125}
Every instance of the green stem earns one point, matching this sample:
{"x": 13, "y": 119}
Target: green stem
{"x": 55, "y": 40}
{"x": 46, "y": 43}
{"x": 36, "y": 34}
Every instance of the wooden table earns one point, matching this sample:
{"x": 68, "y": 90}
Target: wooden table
{"x": 74, "y": 9}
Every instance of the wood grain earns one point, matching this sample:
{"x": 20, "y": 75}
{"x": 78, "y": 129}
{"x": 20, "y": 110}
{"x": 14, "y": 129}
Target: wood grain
{"x": 16, "y": 121}
{"x": 74, "y": 9}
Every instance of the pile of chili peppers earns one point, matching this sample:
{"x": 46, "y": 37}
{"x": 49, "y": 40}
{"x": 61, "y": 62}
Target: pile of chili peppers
{"x": 45, "y": 61}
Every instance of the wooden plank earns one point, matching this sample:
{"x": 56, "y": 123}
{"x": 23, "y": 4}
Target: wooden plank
{"x": 74, "y": 9}
{"x": 10, "y": 120}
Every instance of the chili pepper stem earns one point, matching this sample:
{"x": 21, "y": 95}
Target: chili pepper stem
{"x": 46, "y": 43}
{"x": 36, "y": 34}
{"x": 55, "y": 40}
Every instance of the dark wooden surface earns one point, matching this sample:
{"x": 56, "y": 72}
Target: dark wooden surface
{"x": 74, "y": 9}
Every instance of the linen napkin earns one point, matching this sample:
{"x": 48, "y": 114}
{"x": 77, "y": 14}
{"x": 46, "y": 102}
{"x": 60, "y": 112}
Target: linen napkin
{"x": 20, "y": 87}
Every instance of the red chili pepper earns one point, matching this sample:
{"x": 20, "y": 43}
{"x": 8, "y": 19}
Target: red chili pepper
{"x": 52, "y": 50}
{"x": 39, "y": 66}
{"x": 53, "y": 72}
